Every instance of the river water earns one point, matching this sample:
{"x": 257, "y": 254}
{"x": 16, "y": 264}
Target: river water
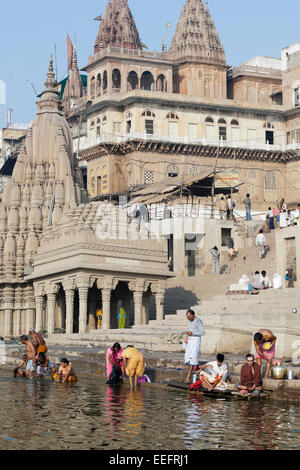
{"x": 90, "y": 415}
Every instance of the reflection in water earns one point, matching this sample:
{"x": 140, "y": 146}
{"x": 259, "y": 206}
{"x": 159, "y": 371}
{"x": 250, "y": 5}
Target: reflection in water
{"x": 90, "y": 415}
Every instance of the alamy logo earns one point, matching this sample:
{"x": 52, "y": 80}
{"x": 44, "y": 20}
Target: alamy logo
{"x": 2, "y": 92}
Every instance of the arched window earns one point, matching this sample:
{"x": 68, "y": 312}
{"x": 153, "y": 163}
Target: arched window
{"x": 268, "y": 125}
{"x": 193, "y": 170}
{"x": 128, "y": 115}
{"x": 147, "y": 81}
{"x": 161, "y": 83}
{"x": 148, "y": 113}
{"x": 132, "y": 81}
{"x": 98, "y": 85}
{"x": 222, "y": 129}
{"x": 116, "y": 79}
{"x": 93, "y": 87}
{"x": 172, "y": 116}
{"x": 209, "y": 120}
{"x": 92, "y": 126}
{"x": 172, "y": 171}
{"x": 98, "y": 132}
{"x": 105, "y": 82}
{"x": 234, "y": 122}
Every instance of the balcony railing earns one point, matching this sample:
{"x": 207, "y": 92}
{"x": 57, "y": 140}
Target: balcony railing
{"x": 172, "y": 139}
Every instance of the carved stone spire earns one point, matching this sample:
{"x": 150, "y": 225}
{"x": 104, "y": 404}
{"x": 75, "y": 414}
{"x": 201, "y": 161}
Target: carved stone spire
{"x": 74, "y": 89}
{"x": 50, "y": 96}
{"x": 117, "y": 28}
{"x": 196, "y": 38}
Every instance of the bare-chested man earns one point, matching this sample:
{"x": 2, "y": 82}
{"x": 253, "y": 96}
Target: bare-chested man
{"x": 66, "y": 372}
{"x": 38, "y": 342}
{"x": 262, "y": 337}
{"x": 30, "y": 351}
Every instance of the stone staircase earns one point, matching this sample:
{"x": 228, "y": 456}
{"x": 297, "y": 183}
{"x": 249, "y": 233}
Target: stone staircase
{"x": 218, "y": 311}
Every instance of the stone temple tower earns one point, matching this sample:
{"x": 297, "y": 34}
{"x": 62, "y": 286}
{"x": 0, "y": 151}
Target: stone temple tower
{"x": 198, "y": 55}
{"x": 117, "y": 28}
{"x": 45, "y": 182}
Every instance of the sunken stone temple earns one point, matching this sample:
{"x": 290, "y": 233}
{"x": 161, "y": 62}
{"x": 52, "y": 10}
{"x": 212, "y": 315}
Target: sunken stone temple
{"x": 56, "y": 273}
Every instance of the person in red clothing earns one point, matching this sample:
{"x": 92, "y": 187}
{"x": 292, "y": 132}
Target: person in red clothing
{"x": 251, "y": 380}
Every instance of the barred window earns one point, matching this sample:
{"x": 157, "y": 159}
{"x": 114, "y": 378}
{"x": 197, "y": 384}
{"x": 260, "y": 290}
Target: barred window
{"x": 193, "y": 170}
{"x": 270, "y": 181}
{"x": 253, "y": 184}
{"x": 172, "y": 171}
{"x": 148, "y": 177}
{"x": 149, "y": 127}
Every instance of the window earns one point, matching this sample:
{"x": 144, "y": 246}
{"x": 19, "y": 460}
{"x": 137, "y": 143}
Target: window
{"x": 222, "y": 121}
{"x": 172, "y": 171}
{"x": 117, "y": 128}
{"x": 172, "y": 116}
{"x": 209, "y": 120}
{"x": 98, "y": 129}
{"x": 148, "y": 113}
{"x": 270, "y": 185}
{"x": 296, "y": 96}
{"x": 193, "y": 130}
{"x": 193, "y": 170}
{"x": 253, "y": 184}
{"x": 173, "y": 129}
{"x": 270, "y": 137}
{"x": 222, "y": 133}
{"x": 128, "y": 127}
{"x": 234, "y": 122}
{"x": 149, "y": 127}
{"x": 148, "y": 177}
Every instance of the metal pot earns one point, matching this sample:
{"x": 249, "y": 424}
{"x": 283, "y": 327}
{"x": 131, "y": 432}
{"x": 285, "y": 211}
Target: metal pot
{"x": 278, "y": 372}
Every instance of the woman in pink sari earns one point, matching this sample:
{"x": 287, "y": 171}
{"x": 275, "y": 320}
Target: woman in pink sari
{"x": 114, "y": 358}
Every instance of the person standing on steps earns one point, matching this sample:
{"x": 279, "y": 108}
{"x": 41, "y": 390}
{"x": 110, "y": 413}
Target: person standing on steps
{"x": 215, "y": 260}
{"x": 247, "y": 204}
{"x": 261, "y": 243}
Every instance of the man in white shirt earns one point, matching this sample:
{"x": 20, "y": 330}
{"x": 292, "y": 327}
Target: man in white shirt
{"x": 193, "y": 341}
{"x": 261, "y": 243}
{"x": 265, "y": 280}
{"x": 214, "y": 374}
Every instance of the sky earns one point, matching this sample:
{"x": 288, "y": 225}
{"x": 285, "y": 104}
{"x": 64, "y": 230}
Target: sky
{"x": 29, "y": 29}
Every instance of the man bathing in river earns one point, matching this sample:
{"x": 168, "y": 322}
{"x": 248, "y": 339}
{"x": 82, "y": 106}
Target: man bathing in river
{"x": 193, "y": 341}
{"x": 251, "y": 381}
{"x": 30, "y": 351}
{"x": 21, "y": 373}
{"x": 66, "y": 372}
{"x": 264, "y": 342}
{"x": 214, "y": 374}
{"x": 43, "y": 364}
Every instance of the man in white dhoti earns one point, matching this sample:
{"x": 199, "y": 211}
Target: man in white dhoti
{"x": 193, "y": 341}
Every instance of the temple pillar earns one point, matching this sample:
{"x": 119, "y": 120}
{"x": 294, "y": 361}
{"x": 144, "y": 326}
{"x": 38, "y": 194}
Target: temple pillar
{"x": 8, "y": 317}
{"x": 138, "y": 304}
{"x": 106, "y": 299}
{"x": 30, "y": 319}
{"x": 83, "y": 304}
{"x": 138, "y": 288}
{"x": 17, "y": 323}
{"x": 69, "y": 311}
{"x": 39, "y": 302}
{"x": 51, "y": 301}
{"x": 159, "y": 290}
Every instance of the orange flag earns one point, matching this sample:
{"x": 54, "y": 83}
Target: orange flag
{"x": 70, "y": 52}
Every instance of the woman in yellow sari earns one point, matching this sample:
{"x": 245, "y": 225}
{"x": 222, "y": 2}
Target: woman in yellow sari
{"x": 133, "y": 364}
{"x": 122, "y": 318}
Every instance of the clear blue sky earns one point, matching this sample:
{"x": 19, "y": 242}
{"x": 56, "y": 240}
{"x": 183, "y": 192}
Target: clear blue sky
{"x": 30, "y": 28}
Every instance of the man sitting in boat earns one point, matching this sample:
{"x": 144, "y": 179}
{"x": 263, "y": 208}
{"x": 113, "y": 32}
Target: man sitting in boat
{"x": 251, "y": 380}
{"x": 214, "y": 374}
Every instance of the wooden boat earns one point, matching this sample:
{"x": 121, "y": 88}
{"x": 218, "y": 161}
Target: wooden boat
{"x": 215, "y": 393}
